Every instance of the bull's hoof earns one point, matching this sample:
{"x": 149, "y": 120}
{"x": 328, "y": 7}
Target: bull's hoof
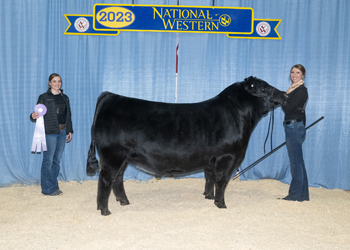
{"x": 123, "y": 202}
{"x": 220, "y": 205}
{"x": 209, "y": 196}
{"x": 104, "y": 211}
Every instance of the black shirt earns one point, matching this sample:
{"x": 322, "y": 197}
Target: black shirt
{"x": 61, "y": 108}
{"x": 294, "y": 109}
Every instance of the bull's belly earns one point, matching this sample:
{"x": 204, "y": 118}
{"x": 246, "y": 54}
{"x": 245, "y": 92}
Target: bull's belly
{"x": 161, "y": 165}
{"x": 167, "y": 159}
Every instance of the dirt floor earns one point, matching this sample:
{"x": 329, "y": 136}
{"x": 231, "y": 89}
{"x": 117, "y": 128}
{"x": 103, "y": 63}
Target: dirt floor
{"x": 173, "y": 214}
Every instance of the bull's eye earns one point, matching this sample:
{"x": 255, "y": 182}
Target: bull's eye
{"x": 252, "y": 85}
{"x": 262, "y": 89}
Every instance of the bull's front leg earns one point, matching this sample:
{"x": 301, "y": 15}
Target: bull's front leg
{"x": 209, "y": 183}
{"x": 104, "y": 190}
{"x": 224, "y": 167}
{"x": 220, "y": 193}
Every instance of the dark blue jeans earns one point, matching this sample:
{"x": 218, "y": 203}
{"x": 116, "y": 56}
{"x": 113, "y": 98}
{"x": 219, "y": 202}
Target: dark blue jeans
{"x": 295, "y": 136}
{"x": 50, "y": 167}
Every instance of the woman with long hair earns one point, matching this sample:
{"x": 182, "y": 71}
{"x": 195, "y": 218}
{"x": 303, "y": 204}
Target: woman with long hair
{"x": 58, "y": 131}
{"x": 294, "y": 126}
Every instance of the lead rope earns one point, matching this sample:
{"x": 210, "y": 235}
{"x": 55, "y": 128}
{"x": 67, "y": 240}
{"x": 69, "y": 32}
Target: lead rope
{"x": 272, "y": 118}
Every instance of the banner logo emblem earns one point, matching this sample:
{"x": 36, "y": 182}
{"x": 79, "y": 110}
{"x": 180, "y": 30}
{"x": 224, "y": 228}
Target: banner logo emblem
{"x": 81, "y": 24}
{"x": 225, "y": 20}
{"x": 263, "y": 28}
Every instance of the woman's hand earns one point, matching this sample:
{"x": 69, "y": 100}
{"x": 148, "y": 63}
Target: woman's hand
{"x": 69, "y": 137}
{"x": 35, "y": 115}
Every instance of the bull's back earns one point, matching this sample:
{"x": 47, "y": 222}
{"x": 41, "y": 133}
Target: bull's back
{"x": 161, "y": 122}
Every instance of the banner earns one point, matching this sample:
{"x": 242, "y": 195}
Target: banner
{"x": 110, "y": 19}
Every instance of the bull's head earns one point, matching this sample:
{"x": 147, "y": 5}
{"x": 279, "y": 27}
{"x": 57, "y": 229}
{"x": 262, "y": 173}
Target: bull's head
{"x": 260, "y": 88}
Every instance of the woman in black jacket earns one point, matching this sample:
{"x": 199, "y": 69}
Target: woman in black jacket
{"x": 58, "y": 131}
{"x": 294, "y": 126}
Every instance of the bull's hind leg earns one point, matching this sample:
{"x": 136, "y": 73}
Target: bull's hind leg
{"x": 108, "y": 175}
{"x": 209, "y": 182}
{"x": 118, "y": 187}
{"x": 105, "y": 181}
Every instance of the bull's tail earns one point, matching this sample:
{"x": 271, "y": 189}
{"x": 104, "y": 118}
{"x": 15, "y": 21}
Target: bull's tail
{"x": 92, "y": 163}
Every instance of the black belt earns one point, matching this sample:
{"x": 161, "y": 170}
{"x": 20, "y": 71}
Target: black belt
{"x": 291, "y": 121}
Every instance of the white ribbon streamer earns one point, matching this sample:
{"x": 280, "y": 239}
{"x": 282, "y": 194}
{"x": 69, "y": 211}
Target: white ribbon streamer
{"x": 39, "y": 136}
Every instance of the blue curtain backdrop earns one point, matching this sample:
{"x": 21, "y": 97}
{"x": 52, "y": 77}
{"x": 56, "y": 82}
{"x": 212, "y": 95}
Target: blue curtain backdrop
{"x": 142, "y": 64}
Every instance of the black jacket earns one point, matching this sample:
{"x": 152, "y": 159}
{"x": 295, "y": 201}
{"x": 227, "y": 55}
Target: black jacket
{"x": 294, "y": 109}
{"x": 50, "y": 118}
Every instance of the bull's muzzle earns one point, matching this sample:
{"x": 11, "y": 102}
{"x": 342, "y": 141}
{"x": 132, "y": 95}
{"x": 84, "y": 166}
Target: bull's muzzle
{"x": 279, "y": 97}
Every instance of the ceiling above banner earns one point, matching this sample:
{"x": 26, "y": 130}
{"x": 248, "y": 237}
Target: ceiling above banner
{"x": 111, "y": 19}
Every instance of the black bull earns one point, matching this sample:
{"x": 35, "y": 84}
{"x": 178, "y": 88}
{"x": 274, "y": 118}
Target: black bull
{"x": 163, "y": 138}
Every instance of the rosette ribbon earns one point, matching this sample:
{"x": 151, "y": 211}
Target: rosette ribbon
{"x": 39, "y": 137}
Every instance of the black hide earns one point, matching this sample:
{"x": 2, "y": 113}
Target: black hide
{"x": 163, "y": 138}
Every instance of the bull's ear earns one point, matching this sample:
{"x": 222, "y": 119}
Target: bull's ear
{"x": 249, "y": 78}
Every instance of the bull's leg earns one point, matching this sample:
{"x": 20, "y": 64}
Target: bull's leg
{"x": 209, "y": 183}
{"x": 220, "y": 193}
{"x": 118, "y": 187}
{"x": 105, "y": 182}
{"x": 223, "y": 170}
